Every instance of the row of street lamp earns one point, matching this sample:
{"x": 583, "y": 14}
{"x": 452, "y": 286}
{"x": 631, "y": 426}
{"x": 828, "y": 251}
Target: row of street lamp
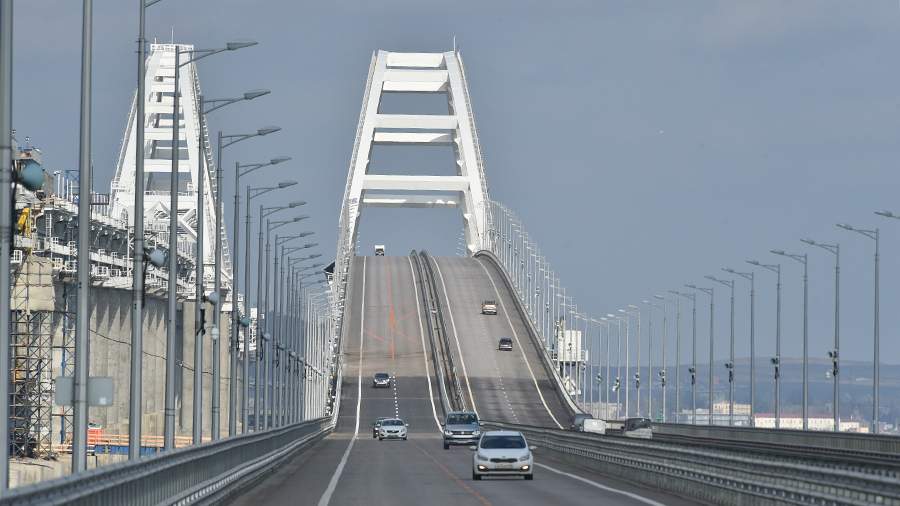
{"x": 554, "y": 314}
{"x": 833, "y": 354}
{"x": 303, "y": 328}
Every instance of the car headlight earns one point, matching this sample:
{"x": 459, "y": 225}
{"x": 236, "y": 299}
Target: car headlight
{"x": 448, "y": 433}
{"x": 481, "y": 457}
{"x": 525, "y": 458}
{"x": 476, "y": 432}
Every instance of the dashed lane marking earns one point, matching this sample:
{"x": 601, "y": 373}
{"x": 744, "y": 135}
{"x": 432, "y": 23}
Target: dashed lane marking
{"x": 519, "y": 344}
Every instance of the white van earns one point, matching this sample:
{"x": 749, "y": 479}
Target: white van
{"x": 379, "y": 250}
{"x": 593, "y": 425}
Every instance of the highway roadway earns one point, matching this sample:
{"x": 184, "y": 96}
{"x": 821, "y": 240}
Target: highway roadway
{"x": 349, "y": 467}
{"x": 504, "y": 386}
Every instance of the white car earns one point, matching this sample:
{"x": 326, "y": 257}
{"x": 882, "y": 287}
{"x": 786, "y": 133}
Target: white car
{"x": 393, "y": 428}
{"x": 502, "y": 453}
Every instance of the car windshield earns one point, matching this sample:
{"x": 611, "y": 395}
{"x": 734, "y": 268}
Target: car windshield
{"x": 464, "y": 419}
{"x": 392, "y": 422}
{"x": 381, "y": 376}
{"x": 637, "y": 423}
{"x": 502, "y": 442}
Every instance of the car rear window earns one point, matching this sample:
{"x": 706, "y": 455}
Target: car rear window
{"x": 461, "y": 419}
{"x": 505, "y": 340}
{"x": 502, "y": 442}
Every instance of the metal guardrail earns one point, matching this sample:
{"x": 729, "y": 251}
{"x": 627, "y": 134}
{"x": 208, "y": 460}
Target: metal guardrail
{"x": 195, "y": 475}
{"x": 718, "y": 476}
{"x": 831, "y": 440}
{"x": 533, "y": 334}
{"x": 458, "y": 400}
{"x": 430, "y": 303}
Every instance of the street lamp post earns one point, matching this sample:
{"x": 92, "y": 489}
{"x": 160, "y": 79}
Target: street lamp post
{"x": 82, "y": 322}
{"x": 730, "y": 364}
{"x": 605, "y": 320}
{"x": 776, "y": 360}
{"x": 79, "y": 446}
{"x": 876, "y": 381}
{"x": 196, "y": 55}
{"x": 6, "y": 200}
{"x": 239, "y": 171}
{"x": 650, "y": 306}
{"x": 711, "y": 293}
{"x": 206, "y": 106}
{"x": 264, "y": 211}
{"x": 252, "y": 193}
{"x": 677, "y": 300}
{"x": 750, "y": 276}
{"x": 803, "y": 260}
{"x": 834, "y": 249}
{"x": 267, "y": 400}
{"x": 663, "y": 380}
{"x": 693, "y": 369}
{"x": 627, "y": 319}
{"x": 223, "y": 142}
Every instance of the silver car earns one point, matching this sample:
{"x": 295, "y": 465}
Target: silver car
{"x": 502, "y": 453}
{"x": 461, "y": 428}
{"x": 393, "y": 428}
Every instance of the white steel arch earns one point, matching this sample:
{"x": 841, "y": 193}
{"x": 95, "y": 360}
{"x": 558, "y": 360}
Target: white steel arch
{"x": 392, "y": 72}
{"x": 158, "y": 124}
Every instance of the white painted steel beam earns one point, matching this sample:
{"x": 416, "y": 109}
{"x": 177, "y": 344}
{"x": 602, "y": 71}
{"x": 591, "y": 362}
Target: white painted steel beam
{"x": 416, "y": 121}
{"x": 413, "y": 60}
{"x": 429, "y": 81}
{"x": 439, "y": 138}
{"x": 416, "y": 183}
{"x": 383, "y": 200}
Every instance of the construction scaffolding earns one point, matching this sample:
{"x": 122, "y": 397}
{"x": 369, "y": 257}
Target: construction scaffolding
{"x": 33, "y": 315}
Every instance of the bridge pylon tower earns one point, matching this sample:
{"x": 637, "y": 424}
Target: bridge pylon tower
{"x": 393, "y": 72}
{"x": 193, "y": 163}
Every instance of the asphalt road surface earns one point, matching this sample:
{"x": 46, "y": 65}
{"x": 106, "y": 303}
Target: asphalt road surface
{"x": 507, "y": 386}
{"x": 349, "y": 467}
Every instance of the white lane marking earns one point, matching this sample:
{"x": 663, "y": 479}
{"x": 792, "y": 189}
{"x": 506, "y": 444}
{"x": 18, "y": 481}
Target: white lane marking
{"x": 456, "y": 337}
{"x": 632, "y": 495}
{"x": 332, "y": 485}
{"x": 518, "y": 343}
{"x": 437, "y": 422}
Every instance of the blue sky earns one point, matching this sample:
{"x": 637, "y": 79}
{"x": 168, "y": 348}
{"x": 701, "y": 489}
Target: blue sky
{"x": 645, "y": 144}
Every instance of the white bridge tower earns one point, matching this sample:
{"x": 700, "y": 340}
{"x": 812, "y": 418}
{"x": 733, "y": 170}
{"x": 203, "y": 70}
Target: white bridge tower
{"x": 158, "y": 124}
{"x": 392, "y": 72}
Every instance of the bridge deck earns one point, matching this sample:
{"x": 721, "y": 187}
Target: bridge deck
{"x": 385, "y": 335}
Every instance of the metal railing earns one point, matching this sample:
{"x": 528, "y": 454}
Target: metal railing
{"x": 567, "y": 334}
{"x": 718, "y": 476}
{"x": 440, "y": 342}
{"x": 184, "y": 476}
{"x": 533, "y": 333}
